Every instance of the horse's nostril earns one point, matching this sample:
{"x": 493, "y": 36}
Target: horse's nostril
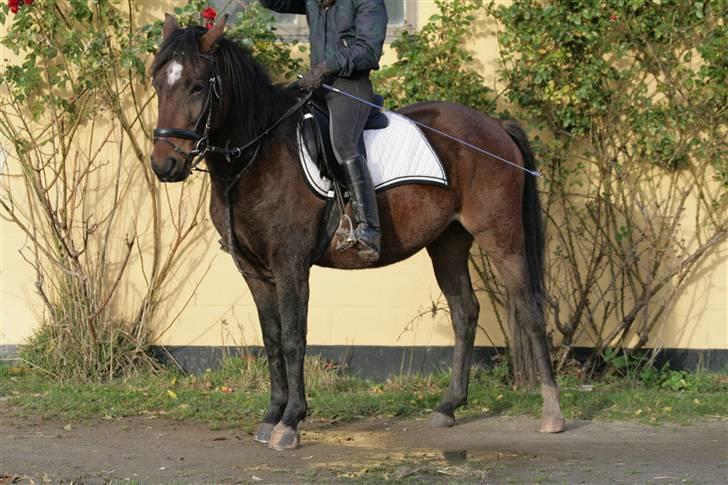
{"x": 164, "y": 167}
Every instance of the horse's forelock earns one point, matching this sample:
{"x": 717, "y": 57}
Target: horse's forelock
{"x": 183, "y": 43}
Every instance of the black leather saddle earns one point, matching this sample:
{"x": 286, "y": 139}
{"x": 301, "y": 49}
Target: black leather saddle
{"x": 316, "y": 135}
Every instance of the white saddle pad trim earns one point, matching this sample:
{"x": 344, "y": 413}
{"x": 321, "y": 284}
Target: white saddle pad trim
{"x": 397, "y": 154}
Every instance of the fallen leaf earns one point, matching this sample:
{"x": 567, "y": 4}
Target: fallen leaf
{"x": 171, "y": 394}
{"x": 257, "y": 479}
{"x": 499, "y": 397}
{"x": 638, "y": 412}
{"x": 67, "y": 427}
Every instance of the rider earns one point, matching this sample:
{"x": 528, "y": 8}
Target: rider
{"x": 346, "y": 39}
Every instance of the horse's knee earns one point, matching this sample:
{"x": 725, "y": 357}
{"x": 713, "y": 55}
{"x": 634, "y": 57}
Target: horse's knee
{"x": 465, "y": 316}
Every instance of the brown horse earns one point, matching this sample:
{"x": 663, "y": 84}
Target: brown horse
{"x": 271, "y": 219}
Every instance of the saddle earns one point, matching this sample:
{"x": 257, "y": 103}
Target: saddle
{"x": 316, "y": 135}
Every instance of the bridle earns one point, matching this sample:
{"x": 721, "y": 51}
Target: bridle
{"x": 202, "y": 145}
{"x": 202, "y": 141}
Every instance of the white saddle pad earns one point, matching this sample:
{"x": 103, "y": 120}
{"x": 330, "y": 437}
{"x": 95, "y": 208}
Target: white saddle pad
{"x": 398, "y": 154}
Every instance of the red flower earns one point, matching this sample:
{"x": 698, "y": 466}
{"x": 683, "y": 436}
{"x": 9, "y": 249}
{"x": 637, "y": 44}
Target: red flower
{"x": 15, "y": 4}
{"x": 209, "y": 15}
{"x": 613, "y": 17}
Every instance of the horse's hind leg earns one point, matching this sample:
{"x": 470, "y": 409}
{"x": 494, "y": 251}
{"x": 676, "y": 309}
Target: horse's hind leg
{"x": 512, "y": 266}
{"x": 449, "y": 255}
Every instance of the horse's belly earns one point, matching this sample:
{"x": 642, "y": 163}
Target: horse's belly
{"x": 412, "y": 216}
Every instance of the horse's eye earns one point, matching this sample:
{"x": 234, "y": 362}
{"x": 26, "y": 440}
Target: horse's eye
{"x": 198, "y": 88}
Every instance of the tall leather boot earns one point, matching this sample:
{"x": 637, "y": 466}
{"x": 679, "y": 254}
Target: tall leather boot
{"x": 364, "y": 205}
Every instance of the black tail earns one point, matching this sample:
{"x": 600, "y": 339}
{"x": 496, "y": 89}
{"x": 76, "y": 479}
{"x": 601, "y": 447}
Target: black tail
{"x": 531, "y": 213}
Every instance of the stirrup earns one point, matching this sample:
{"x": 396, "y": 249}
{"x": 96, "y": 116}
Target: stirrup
{"x": 345, "y": 236}
{"x": 368, "y": 248}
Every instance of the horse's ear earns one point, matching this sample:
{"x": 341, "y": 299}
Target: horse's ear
{"x": 207, "y": 41}
{"x": 170, "y": 25}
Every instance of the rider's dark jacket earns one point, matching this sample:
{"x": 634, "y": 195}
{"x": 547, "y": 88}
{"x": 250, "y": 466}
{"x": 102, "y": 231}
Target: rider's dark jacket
{"x": 348, "y": 36}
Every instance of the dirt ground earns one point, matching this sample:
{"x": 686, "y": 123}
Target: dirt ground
{"x": 482, "y": 450}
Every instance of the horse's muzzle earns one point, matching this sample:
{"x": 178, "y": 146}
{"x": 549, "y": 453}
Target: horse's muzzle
{"x": 170, "y": 169}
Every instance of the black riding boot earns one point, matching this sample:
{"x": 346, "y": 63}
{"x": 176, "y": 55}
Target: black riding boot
{"x": 364, "y": 205}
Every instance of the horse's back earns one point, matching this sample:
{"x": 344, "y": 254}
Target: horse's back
{"x": 467, "y": 168}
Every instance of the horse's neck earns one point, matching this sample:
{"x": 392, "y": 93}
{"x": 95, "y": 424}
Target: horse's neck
{"x": 269, "y": 173}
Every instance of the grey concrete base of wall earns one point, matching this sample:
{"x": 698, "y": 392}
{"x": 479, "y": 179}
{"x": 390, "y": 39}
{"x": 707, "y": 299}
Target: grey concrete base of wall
{"x": 379, "y": 362}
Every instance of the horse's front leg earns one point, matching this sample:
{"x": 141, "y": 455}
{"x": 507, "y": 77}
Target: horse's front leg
{"x": 292, "y": 292}
{"x": 266, "y": 301}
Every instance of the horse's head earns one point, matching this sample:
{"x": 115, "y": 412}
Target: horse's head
{"x": 183, "y": 75}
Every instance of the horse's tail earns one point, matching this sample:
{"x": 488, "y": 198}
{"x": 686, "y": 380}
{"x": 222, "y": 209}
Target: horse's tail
{"x": 531, "y": 214}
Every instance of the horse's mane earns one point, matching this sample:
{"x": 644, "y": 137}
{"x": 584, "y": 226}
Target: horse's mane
{"x": 255, "y": 101}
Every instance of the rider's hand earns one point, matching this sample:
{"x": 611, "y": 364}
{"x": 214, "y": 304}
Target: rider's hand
{"x": 315, "y": 77}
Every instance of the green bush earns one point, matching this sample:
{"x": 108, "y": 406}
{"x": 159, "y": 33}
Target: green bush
{"x": 629, "y": 101}
{"x": 433, "y": 63}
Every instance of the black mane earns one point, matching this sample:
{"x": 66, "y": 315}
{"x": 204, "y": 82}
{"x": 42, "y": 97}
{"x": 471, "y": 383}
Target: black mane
{"x": 255, "y": 101}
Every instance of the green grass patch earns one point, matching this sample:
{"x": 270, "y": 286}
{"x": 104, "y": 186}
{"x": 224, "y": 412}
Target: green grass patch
{"x": 236, "y": 395}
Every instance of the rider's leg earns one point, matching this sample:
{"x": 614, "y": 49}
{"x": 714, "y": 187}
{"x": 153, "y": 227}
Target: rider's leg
{"x": 348, "y": 117}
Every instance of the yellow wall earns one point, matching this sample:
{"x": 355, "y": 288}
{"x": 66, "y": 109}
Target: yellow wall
{"x": 376, "y": 307}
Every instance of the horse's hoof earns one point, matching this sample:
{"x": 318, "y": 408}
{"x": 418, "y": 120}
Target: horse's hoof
{"x": 262, "y": 435}
{"x": 440, "y": 420}
{"x": 552, "y": 425}
{"x": 283, "y": 438}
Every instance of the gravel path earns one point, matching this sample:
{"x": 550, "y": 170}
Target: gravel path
{"x": 484, "y": 450}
